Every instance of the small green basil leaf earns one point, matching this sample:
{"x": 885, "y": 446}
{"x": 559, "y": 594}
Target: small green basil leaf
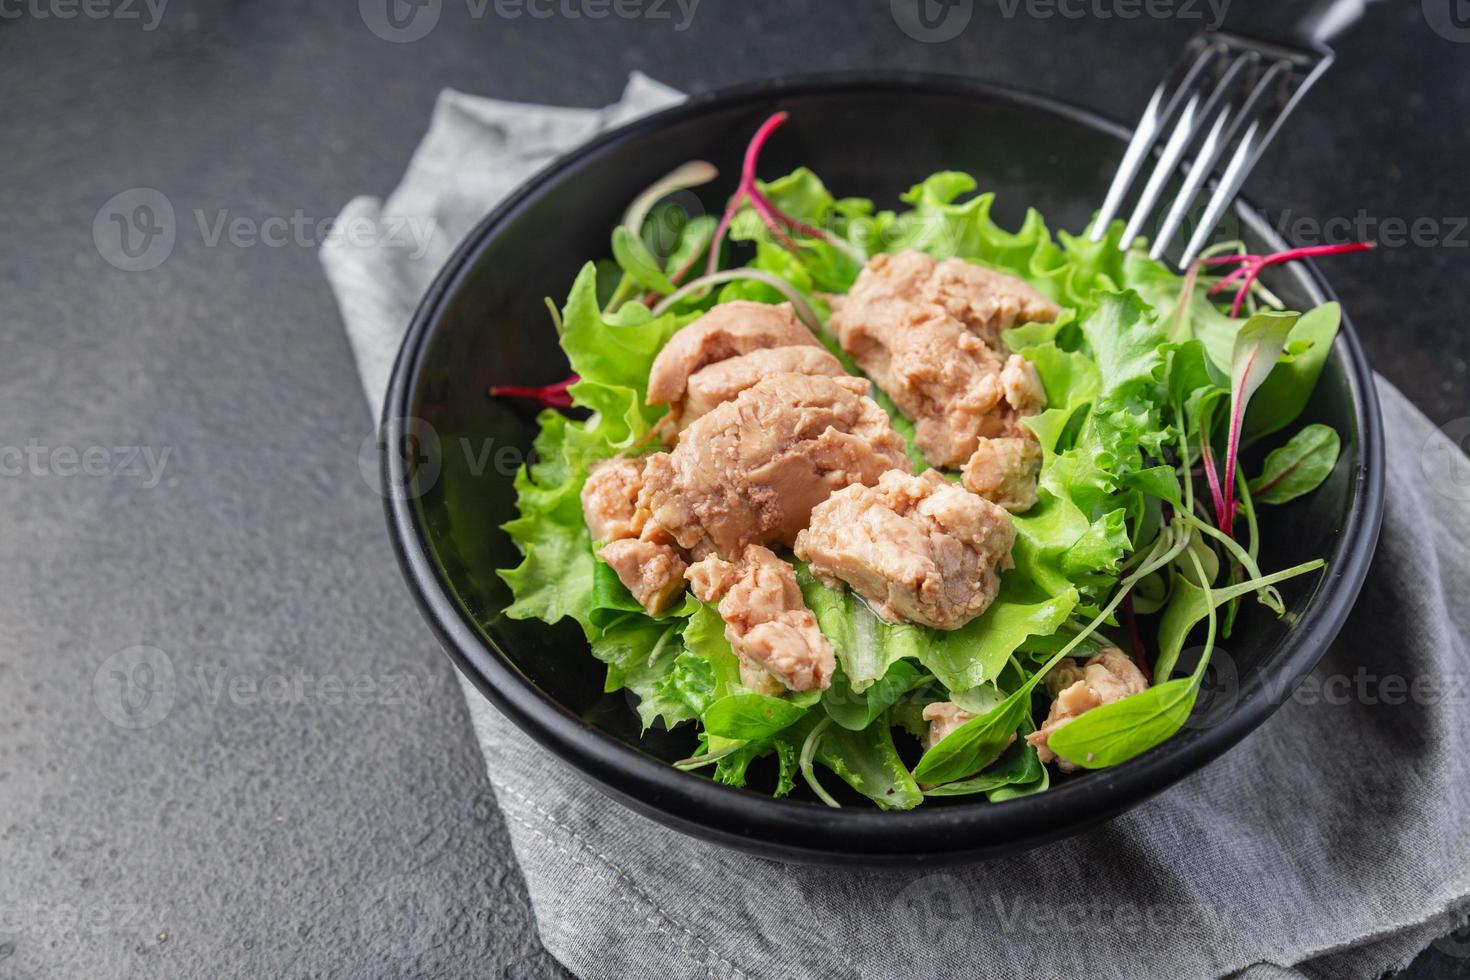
{"x": 975, "y": 743}
{"x": 1018, "y": 765}
{"x": 1114, "y": 733}
{"x": 694, "y": 238}
{"x": 1017, "y": 790}
{"x": 1189, "y": 604}
{"x": 750, "y": 716}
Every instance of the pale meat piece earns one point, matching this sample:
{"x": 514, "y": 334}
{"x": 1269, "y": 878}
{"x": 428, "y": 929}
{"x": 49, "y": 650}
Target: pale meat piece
{"x": 1022, "y": 385}
{"x": 751, "y": 471}
{"x": 944, "y": 717}
{"x": 1062, "y": 676}
{"x": 928, "y": 333}
{"x": 728, "y": 330}
{"x": 644, "y": 558}
{"x": 713, "y": 385}
{"x": 766, "y": 620}
{"x": 985, "y": 301}
{"x": 1004, "y": 472}
{"x": 652, "y": 571}
{"x": 610, "y": 499}
{"x": 918, "y": 549}
{"x": 1109, "y": 676}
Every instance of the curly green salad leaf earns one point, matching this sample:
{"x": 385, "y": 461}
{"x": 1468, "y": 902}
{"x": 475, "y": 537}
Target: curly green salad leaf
{"x": 1137, "y": 373}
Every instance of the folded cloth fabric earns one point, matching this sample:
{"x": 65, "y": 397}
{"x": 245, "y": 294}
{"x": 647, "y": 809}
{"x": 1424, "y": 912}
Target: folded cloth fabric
{"x": 1333, "y": 842}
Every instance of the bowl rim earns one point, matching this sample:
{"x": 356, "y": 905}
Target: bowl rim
{"x": 802, "y": 830}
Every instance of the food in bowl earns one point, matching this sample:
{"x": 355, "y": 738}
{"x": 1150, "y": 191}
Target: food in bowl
{"x": 896, "y": 495}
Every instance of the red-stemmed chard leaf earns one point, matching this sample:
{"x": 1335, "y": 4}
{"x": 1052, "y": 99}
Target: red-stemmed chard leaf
{"x": 1257, "y": 346}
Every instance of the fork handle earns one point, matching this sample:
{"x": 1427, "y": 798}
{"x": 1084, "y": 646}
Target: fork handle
{"x": 1330, "y": 19}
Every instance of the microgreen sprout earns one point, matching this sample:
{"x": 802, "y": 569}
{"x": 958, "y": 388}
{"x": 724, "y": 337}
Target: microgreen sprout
{"x": 748, "y": 192}
{"x": 1250, "y": 267}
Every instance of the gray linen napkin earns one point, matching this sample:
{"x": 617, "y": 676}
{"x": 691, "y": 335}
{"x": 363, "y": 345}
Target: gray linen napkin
{"x": 1334, "y": 842}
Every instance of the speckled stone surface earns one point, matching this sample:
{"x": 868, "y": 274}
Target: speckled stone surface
{"x": 228, "y": 747}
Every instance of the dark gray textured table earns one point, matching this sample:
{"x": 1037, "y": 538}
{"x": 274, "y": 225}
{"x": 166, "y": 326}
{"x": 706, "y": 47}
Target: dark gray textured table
{"x": 181, "y": 486}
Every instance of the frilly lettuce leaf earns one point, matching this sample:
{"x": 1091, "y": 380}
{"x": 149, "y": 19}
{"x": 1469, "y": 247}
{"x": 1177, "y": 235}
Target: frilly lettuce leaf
{"x": 556, "y": 579}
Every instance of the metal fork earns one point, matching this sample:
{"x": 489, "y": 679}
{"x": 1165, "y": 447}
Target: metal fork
{"x": 1229, "y": 95}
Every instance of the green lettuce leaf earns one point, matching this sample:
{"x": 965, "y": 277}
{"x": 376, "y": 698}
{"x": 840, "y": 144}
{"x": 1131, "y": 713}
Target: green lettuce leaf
{"x": 556, "y": 579}
{"x": 869, "y": 762}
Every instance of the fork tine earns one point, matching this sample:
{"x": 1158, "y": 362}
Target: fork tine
{"x": 1253, "y": 139}
{"x": 1160, "y": 111}
{"x": 1194, "y": 120}
{"x": 1179, "y": 140}
{"x": 1227, "y": 99}
{"x": 1230, "y": 184}
{"x": 1199, "y": 172}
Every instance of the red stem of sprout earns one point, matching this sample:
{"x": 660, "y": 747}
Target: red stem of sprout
{"x": 549, "y": 396}
{"x": 1212, "y": 476}
{"x": 1251, "y": 266}
{"x": 771, "y": 215}
{"x": 1249, "y": 269}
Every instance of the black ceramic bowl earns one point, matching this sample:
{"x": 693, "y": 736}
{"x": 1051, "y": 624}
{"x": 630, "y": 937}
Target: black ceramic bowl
{"x": 483, "y": 321}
